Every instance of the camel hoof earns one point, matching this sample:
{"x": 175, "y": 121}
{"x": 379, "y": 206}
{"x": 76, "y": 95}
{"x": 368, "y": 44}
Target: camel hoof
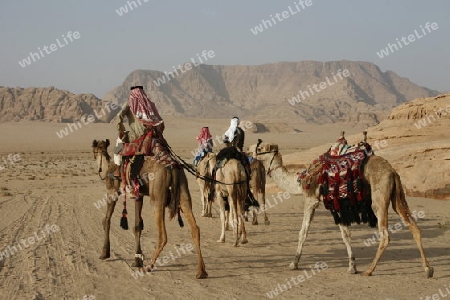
{"x": 201, "y": 275}
{"x": 209, "y": 215}
{"x": 352, "y": 271}
{"x": 255, "y": 223}
{"x": 104, "y": 256}
{"x": 246, "y": 219}
{"x": 204, "y": 215}
{"x": 221, "y": 241}
{"x": 429, "y": 271}
{"x": 148, "y": 269}
{"x": 138, "y": 263}
{"x": 366, "y": 273}
{"x": 244, "y": 241}
{"x": 293, "y": 266}
{"x": 267, "y": 222}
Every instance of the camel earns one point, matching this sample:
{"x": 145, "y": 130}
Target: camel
{"x": 231, "y": 187}
{"x": 257, "y": 185}
{"x": 204, "y": 170}
{"x": 380, "y": 180}
{"x": 162, "y": 184}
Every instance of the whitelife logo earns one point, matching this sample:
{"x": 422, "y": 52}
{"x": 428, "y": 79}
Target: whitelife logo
{"x": 52, "y": 48}
{"x": 411, "y": 38}
{"x": 187, "y": 66}
{"x": 265, "y": 24}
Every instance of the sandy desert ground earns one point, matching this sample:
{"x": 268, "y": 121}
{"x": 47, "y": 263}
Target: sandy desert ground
{"x": 50, "y": 194}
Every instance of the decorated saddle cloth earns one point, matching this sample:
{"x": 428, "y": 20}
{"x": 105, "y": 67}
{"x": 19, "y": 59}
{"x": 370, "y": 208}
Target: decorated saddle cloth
{"x": 149, "y": 145}
{"x": 339, "y": 178}
{"x": 134, "y": 153}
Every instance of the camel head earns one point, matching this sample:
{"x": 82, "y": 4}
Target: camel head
{"x": 264, "y": 152}
{"x": 100, "y": 147}
{"x": 261, "y": 149}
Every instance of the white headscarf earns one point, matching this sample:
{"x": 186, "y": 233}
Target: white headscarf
{"x": 231, "y": 130}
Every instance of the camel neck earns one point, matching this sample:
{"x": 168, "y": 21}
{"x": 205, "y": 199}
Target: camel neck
{"x": 285, "y": 180}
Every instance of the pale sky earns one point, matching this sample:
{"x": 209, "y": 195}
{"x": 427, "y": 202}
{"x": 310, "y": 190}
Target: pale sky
{"x": 157, "y": 35}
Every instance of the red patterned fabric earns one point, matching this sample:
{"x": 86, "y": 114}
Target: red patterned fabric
{"x": 141, "y": 145}
{"x": 204, "y": 136}
{"x": 144, "y": 109}
{"x": 149, "y": 145}
{"x": 340, "y": 176}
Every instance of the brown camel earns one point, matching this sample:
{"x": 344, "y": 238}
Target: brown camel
{"x": 231, "y": 189}
{"x": 204, "y": 169}
{"x": 257, "y": 184}
{"x": 382, "y": 184}
{"x": 162, "y": 184}
{"x": 258, "y": 187}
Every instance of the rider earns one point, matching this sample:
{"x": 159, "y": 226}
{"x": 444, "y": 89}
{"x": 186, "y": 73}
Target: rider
{"x": 234, "y": 136}
{"x": 205, "y": 144}
{"x": 142, "y": 117}
{"x": 141, "y": 113}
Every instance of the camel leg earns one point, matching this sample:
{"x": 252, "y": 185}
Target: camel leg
{"x": 308, "y": 214}
{"x": 346, "y": 236}
{"x": 235, "y": 224}
{"x": 418, "y": 238}
{"x": 208, "y": 204}
{"x": 208, "y": 208}
{"x": 382, "y": 215}
{"x": 227, "y": 215}
{"x": 235, "y": 218}
{"x": 263, "y": 207}
{"x": 254, "y": 214}
{"x": 138, "y": 257}
{"x": 106, "y": 222}
{"x": 404, "y": 212}
{"x": 241, "y": 224}
{"x": 223, "y": 217}
{"x": 186, "y": 208}
{"x": 255, "y": 210}
{"x": 204, "y": 197}
{"x": 159, "y": 212}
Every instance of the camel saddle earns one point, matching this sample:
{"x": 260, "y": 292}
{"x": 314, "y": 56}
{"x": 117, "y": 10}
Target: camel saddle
{"x": 150, "y": 145}
{"x": 225, "y": 155}
{"x": 340, "y": 184}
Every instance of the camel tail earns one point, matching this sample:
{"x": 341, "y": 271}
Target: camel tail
{"x": 398, "y": 198}
{"x": 174, "y": 205}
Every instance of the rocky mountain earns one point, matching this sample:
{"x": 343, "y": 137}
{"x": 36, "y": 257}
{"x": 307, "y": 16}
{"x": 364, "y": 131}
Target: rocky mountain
{"x": 301, "y": 92}
{"x": 52, "y": 105}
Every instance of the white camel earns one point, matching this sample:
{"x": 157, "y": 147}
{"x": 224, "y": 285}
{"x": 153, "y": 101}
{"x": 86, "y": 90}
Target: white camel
{"x": 382, "y": 184}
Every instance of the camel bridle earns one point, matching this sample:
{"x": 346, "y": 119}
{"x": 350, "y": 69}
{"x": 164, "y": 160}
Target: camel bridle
{"x": 275, "y": 152}
{"x": 103, "y": 153}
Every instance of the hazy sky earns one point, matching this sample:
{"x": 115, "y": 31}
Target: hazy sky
{"x": 160, "y": 34}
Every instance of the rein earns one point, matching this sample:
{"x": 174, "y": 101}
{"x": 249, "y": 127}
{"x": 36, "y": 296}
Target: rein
{"x": 191, "y": 169}
{"x": 103, "y": 152}
{"x": 269, "y": 171}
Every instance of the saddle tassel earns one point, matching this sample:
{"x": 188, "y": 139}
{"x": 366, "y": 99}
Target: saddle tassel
{"x": 124, "y": 220}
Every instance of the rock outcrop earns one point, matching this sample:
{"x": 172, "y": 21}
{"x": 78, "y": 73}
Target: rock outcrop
{"x": 52, "y": 105}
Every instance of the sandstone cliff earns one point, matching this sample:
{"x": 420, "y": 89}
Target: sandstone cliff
{"x": 52, "y": 105}
{"x": 264, "y": 92}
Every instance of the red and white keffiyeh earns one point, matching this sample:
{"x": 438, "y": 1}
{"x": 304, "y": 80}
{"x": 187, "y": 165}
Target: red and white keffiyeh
{"x": 144, "y": 109}
{"x": 204, "y": 136}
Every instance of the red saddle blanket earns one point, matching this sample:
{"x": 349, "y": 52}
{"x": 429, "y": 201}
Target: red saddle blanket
{"x": 340, "y": 182}
{"x": 149, "y": 145}
{"x": 340, "y": 178}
